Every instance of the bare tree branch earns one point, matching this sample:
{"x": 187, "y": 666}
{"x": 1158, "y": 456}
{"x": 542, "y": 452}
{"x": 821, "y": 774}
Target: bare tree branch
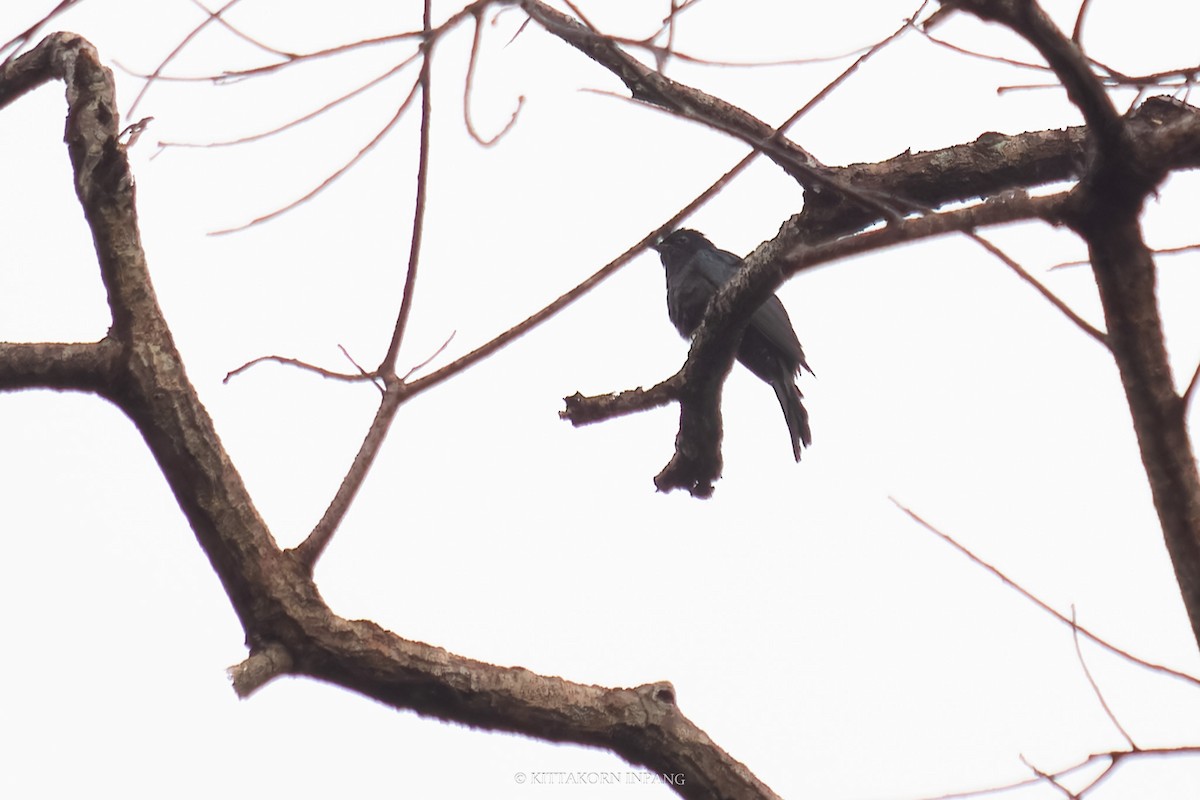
{"x": 1113, "y": 758}
{"x": 476, "y": 42}
{"x": 379, "y": 136}
{"x": 23, "y": 38}
{"x": 308, "y": 551}
{"x": 314, "y": 545}
{"x": 1190, "y": 391}
{"x": 1050, "y": 779}
{"x": 295, "y": 362}
{"x": 388, "y": 366}
{"x": 254, "y": 137}
{"x": 1044, "y": 606}
{"x": 697, "y": 462}
{"x": 1077, "y": 32}
{"x": 1158, "y": 251}
{"x": 1095, "y": 687}
{"x": 1066, "y": 60}
{"x": 657, "y": 89}
{"x": 1024, "y": 274}
{"x": 289, "y": 628}
{"x": 49, "y": 365}
{"x": 212, "y": 16}
{"x": 239, "y": 33}
{"x": 995, "y": 163}
{"x": 1118, "y": 178}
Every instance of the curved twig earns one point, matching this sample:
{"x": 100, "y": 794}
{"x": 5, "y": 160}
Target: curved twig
{"x": 476, "y": 41}
{"x": 295, "y": 362}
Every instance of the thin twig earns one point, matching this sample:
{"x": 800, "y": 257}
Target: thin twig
{"x": 1190, "y": 392}
{"x": 429, "y": 360}
{"x": 1048, "y": 778}
{"x": 577, "y": 11}
{"x": 25, "y": 36}
{"x": 1112, "y": 648}
{"x": 394, "y": 392}
{"x": 1165, "y": 251}
{"x": 1012, "y": 62}
{"x": 262, "y": 70}
{"x": 308, "y": 551}
{"x": 1095, "y": 687}
{"x": 294, "y": 362}
{"x": 368, "y": 147}
{"x": 1109, "y": 769}
{"x": 661, "y": 51}
{"x": 254, "y": 137}
{"x": 373, "y": 377}
{"x": 388, "y": 366}
{"x": 1073, "y": 71}
{"x": 663, "y": 55}
{"x": 1058, "y": 303}
{"x": 1077, "y": 32}
{"x": 692, "y": 104}
{"x": 1114, "y": 757}
{"x": 290, "y": 59}
{"x": 1025, "y": 87}
{"x": 150, "y": 79}
{"x": 245, "y": 37}
{"x": 476, "y": 41}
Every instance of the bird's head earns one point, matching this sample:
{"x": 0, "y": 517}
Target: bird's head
{"x": 681, "y": 244}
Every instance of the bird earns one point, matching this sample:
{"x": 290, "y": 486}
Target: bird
{"x": 696, "y": 269}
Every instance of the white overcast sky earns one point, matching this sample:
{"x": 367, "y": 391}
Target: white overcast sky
{"x": 809, "y": 627}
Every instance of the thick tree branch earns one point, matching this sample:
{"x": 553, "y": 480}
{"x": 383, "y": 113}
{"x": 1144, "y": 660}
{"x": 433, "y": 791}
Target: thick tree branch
{"x": 1064, "y": 57}
{"x": 22, "y": 75}
{"x": 653, "y": 87}
{"x": 49, "y": 365}
{"x": 991, "y": 165}
{"x": 1166, "y": 133}
{"x": 696, "y": 464}
{"x": 1119, "y": 177}
{"x": 1125, "y": 274}
{"x": 289, "y": 628}
{"x": 150, "y": 384}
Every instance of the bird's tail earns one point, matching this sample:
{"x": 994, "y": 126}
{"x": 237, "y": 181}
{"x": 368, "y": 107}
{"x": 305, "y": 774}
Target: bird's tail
{"x": 794, "y": 412}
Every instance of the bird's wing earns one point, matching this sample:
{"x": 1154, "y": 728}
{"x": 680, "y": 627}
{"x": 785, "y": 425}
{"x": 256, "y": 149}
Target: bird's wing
{"x": 716, "y": 266}
{"x": 771, "y": 319}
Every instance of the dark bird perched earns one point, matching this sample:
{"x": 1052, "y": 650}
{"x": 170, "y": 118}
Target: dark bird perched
{"x": 696, "y": 269}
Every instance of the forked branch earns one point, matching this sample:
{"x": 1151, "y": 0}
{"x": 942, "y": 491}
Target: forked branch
{"x": 289, "y": 628}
